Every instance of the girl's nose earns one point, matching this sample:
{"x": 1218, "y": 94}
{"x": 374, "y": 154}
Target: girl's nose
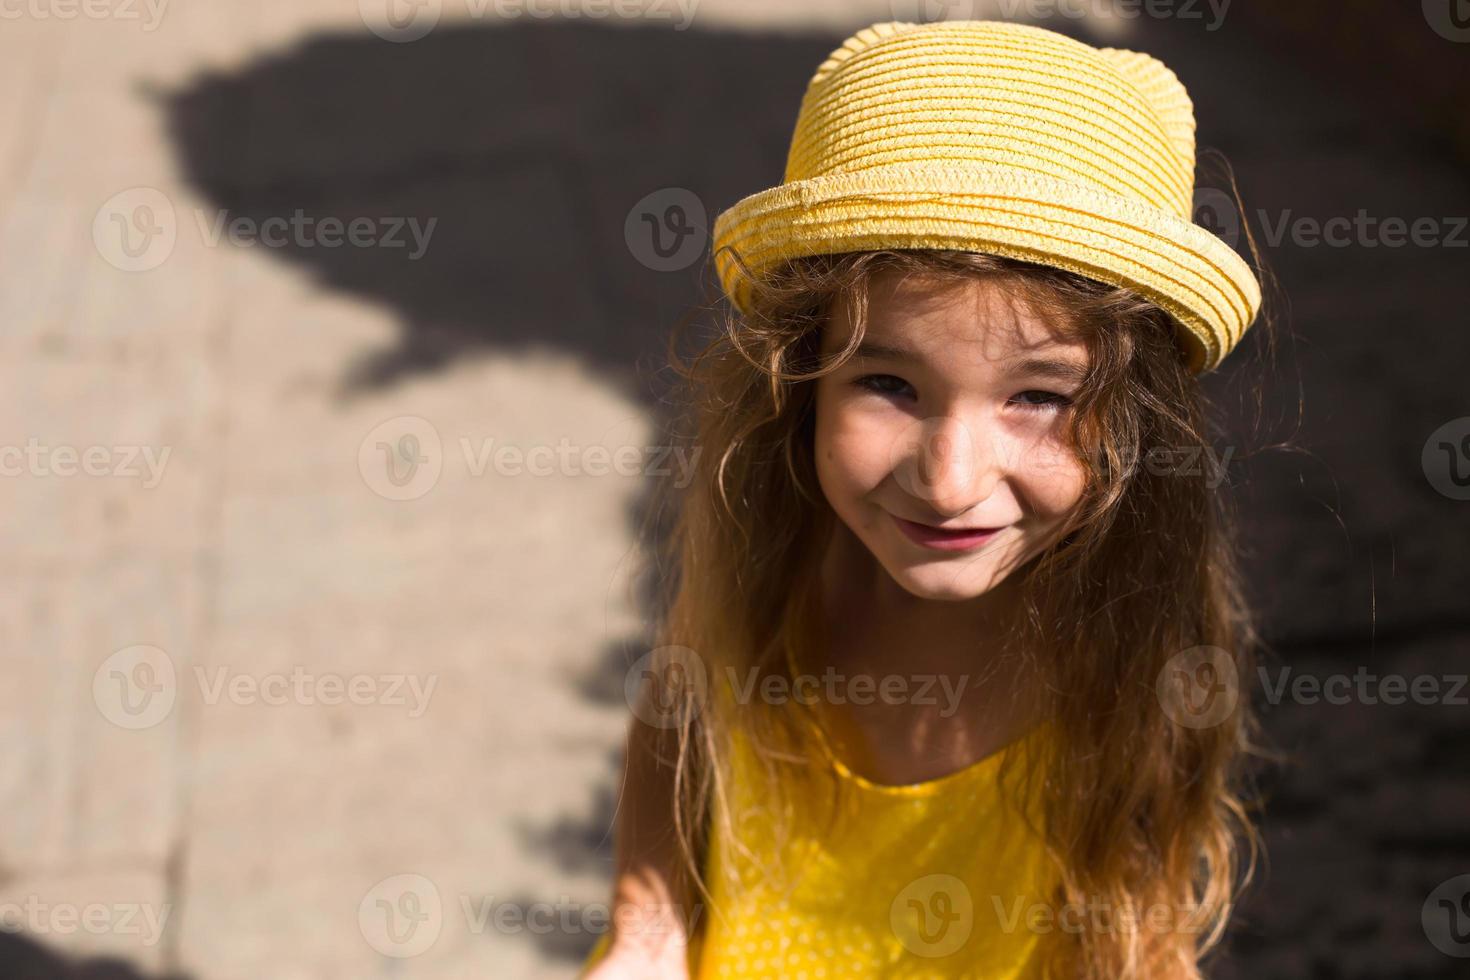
{"x": 952, "y": 465}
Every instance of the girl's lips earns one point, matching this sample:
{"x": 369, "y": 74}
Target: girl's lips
{"x": 933, "y": 537}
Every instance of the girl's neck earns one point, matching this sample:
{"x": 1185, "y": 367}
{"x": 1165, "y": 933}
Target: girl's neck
{"x": 862, "y": 623}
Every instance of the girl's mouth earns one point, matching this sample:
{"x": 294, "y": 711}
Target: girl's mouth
{"x": 933, "y": 537}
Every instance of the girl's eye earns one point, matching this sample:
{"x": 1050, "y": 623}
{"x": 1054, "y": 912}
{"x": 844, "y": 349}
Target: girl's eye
{"x": 1032, "y": 401}
{"x": 1047, "y": 401}
{"x": 883, "y": 384}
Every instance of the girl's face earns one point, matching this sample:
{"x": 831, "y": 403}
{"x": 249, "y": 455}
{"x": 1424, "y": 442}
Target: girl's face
{"x": 939, "y": 444}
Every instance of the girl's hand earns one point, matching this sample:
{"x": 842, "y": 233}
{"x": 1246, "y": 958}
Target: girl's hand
{"x": 627, "y": 961}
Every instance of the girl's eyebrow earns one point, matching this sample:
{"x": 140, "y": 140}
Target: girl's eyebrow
{"x": 1049, "y": 367}
{"x": 1061, "y": 370}
{"x": 887, "y": 352}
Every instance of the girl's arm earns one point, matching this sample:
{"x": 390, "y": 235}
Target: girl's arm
{"x": 648, "y": 934}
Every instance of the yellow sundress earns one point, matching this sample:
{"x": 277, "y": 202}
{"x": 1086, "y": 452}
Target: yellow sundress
{"x": 938, "y": 879}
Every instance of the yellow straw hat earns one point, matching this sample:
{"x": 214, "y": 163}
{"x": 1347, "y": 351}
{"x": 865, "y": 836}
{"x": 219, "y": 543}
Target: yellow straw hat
{"x": 1007, "y": 139}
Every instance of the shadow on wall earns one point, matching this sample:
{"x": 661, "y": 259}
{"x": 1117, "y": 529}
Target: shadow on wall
{"x": 518, "y": 153}
{"x": 23, "y": 959}
{"x": 553, "y": 186}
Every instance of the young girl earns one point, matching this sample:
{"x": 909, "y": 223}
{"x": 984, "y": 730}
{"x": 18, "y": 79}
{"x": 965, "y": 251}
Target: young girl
{"x": 948, "y": 675}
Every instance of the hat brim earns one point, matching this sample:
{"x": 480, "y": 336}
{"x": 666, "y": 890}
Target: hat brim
{"x": 1182, "y": 267}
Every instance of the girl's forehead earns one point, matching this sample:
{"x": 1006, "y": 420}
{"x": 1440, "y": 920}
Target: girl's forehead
{"x": 984, "y": 316}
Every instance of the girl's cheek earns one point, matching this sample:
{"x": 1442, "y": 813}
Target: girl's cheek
{"x": 855, "y": 448}
{"x": 1055, "y": 480}
{"x": 850, "y": 451}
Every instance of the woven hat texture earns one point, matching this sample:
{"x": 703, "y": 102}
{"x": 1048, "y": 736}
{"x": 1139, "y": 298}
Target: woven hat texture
{"x": 1007, "y": 139}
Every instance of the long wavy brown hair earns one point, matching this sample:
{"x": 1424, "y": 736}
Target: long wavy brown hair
{"x": 1137, "y": 809}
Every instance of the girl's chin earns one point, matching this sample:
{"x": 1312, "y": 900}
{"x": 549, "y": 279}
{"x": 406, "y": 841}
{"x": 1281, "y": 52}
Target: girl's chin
{"x": 942, "y": 582}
